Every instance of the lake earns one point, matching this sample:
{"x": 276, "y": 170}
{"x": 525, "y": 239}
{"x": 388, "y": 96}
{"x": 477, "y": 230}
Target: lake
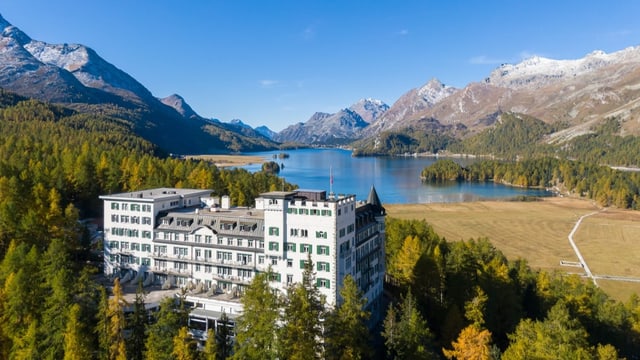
{"x": 397, "y": 179}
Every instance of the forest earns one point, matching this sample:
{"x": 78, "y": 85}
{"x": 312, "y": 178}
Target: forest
{"x": 446, "y": 299}
{"x": 605, "y": 185}
{"x": 514, "y": 136}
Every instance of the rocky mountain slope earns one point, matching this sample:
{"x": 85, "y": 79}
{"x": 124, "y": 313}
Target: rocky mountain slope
{"x": 577, "y": 93}
{"x": 76, "y": 76}
{"x": 335, "y": 129}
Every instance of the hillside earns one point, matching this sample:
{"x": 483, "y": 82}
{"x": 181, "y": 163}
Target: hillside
{"x": 77, "y": 77}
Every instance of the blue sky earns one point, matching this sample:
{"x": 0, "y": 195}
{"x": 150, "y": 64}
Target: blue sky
{"x": 275, "y": 63}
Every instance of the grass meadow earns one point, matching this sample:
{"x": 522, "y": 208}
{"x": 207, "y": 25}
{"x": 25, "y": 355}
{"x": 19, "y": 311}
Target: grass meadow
{"x": 537, "y": 231}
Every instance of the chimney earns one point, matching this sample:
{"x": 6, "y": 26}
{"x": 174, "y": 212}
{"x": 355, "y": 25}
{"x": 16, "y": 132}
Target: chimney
{"x": 226, "y": 202}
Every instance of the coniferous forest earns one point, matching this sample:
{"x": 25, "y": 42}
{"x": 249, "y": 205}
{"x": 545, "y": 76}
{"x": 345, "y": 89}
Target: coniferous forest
{"x": 454, "y": 300}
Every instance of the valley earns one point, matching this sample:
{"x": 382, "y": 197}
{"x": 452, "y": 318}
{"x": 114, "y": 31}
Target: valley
{"x": 537, "y": 232}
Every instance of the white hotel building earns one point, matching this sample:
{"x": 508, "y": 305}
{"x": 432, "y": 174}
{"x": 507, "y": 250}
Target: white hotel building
{"x": 185, "y": 238}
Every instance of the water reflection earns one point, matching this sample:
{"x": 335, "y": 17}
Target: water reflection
{"x": 397, "y": 179}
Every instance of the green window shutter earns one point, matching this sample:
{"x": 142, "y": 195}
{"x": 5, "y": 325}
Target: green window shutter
{"x": 302, "y": 264}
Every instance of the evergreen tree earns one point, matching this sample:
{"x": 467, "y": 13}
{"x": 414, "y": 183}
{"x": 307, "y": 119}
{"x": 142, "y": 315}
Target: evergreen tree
{"x": 184, "y": 347}
{"x": 102, "y": 326}
{"x": 347, "y": 335}
{"x": 137, "y": 325}
{"x": 257, "y": 326}
{"x": 116, "y": 323}
{"x": 159, "y": 344}
{"x": 56, "y": 272}
{"x": 25, "y": 346}
{"x": 224, "y": 343}
{"x": 559, "y": 336}
{"x": 474, "y": 343}
{"x": 406, "y": 333}
{"x": 76, "y": 345}
{"x": 301, "y": 333}
{"x": 210, "y": 351}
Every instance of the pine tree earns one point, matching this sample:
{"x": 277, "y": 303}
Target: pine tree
{"x": 224, "y": 342}
{"x": 159, "y": 344}
{"x": 184, "y": 347}
{"x": 116, "y": 323}
{"x": 138, "y": 326}
{"x": 347, "y": 335}
{"x": 257, "y": 326}
{"x": 76, "y": 345}
{"x": 301, "y": 333}
{"x": 406, "y": 333}
{"x": 56, "y": 272}
{"x": 211, "y": 346}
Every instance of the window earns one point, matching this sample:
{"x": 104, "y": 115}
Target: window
{"x": 125, "y": 206}
{"x": 124, "y": 218}
{"x": 239, "y": 242}
{"x": 342, "y": 232}
{"x": 293, "y": 232}
{"x": 124, "y": 245}
{"x": 274, "y": 246}
{"x": 261, "y": 244}
{"x": 146, "y": 234}
{"x": 289, "y": 279}
{"x": 113, "y": 245}
{"x": 223, "y": 255}
{"x": 325, "y": 283}
{"x": 146, "y": 261}
{"x": 230, "y": 241}
{"x": 274, "y": 277}
{"x": 303, "y": 264}
{"x": 325, "y": 212}
{"x": 304, "y": 233}
{"x": 115, "y": 218}
{"x": 274, "y": 231}
{"x": 244, "y": 259}
{"x": 289, "y": 263}
{"x": 180, "y": 251}
{"x": 305, "y": 248}
{"x": 323, "y": 266}
{"x": 135, "y": 246}
{"x": 321, "y": 234}
{"x": 146, "y": 247}
{"x": 250, "y": 243}
{"x": 135, "y": 219}
{"x": 198, "y": 267}
{"x": 146, "y": 220}
{"x": 115, "y": 206}
{"x": 274, "y": 260}
{"x": 260, "y": 259}
{"x": 291, "y": 247}
{"x": 323, "y": 250}
{"x": 208, "y": 239}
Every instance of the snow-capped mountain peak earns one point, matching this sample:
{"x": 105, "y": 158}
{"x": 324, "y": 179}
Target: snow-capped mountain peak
{"x": 369, "y": 109}
{"x": 434, "y": 91}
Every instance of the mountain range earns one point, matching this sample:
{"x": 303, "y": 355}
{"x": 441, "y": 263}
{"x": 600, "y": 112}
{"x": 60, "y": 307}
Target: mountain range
{"x": 574, "y": 96}
{"x": 77, "y": 77}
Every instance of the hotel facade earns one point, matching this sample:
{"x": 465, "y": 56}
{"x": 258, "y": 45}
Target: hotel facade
{"x": 184, "y": 238}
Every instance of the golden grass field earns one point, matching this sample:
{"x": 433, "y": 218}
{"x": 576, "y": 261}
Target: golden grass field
{"x": 229, "y": 160}
{"x": 537, "y": 231}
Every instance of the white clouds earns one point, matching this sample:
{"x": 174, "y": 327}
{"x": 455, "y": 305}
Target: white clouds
{"x": 268, "y": 83}
{"x": 403, "y": 32}
{"x": 490, "y": 60}
{"x": 486, "y": 60}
